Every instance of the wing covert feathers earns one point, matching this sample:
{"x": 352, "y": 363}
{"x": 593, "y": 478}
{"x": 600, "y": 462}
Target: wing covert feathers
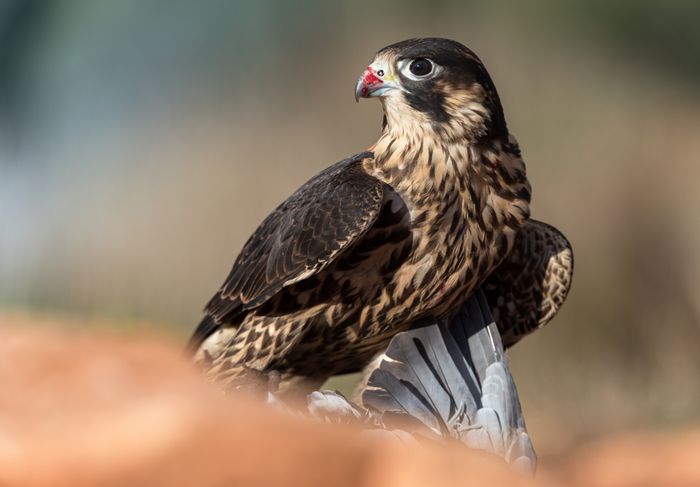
{"x": 527, "y": 290}
{"x": 299, "y": 238}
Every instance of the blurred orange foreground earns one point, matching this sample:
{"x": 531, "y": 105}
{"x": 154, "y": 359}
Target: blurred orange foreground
{"x": 82, "y": 410}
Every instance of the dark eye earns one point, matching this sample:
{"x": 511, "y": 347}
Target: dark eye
{"x": 420, "y": 67}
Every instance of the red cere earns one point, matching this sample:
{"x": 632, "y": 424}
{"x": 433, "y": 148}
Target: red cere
{"x": 370, "y": 77}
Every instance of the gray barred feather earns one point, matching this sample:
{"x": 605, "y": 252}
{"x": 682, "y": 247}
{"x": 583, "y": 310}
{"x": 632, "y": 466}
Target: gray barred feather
{"x": 451, "y": 379}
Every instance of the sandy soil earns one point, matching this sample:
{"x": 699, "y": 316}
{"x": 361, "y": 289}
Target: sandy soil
{"x": 80, "y": 409}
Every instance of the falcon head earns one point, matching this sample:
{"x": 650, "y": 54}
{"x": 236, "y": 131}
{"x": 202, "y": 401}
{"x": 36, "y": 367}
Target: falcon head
{"x": 436, "y": 84}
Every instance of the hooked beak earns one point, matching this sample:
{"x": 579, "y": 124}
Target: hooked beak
{"x": 372, "y": 84}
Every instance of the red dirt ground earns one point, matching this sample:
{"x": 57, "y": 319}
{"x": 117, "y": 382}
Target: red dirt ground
{"x": 85, "y": 410}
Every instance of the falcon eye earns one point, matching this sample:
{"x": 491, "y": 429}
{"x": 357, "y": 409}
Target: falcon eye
{"x": 380, "y": 73}
{"x": 420, "y": 67}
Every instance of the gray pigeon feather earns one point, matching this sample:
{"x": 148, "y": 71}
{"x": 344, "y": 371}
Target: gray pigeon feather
{"x": 451, "y": 379}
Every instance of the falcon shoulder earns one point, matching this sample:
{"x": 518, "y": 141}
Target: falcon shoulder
{"x": 527, "y": 290}
{"x": 297, "y": 240}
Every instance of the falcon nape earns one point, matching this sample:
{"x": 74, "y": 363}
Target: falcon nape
{"x": 391, "y": 238}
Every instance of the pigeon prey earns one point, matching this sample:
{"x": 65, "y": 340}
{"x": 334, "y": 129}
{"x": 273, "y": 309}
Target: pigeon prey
{"x": 385, "y": 240}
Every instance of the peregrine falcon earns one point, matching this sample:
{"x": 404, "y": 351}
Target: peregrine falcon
{"x": 388, "y": 239}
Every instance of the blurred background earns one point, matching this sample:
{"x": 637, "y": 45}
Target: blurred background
{"x": 142, "y": 141}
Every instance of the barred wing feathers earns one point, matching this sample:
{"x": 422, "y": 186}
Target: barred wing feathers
{"x": 451, "y": 379}
{"x": 297, "y": 240}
